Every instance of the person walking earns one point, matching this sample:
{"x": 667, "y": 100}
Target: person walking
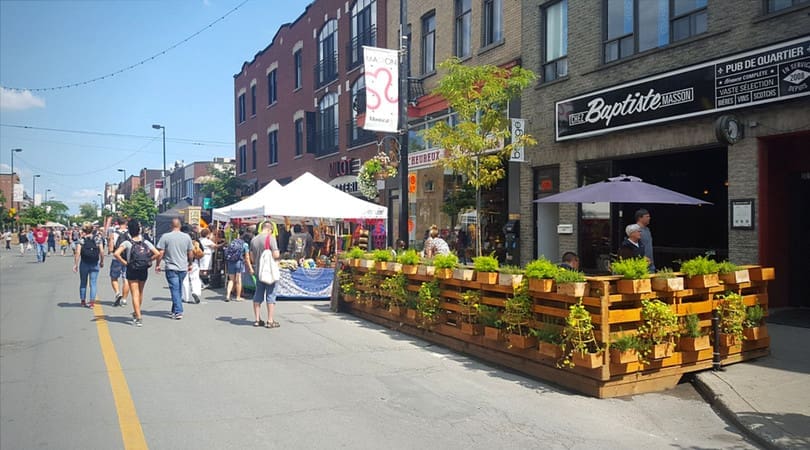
{"x": 41, "y": 240}
{"x": 7, "y": 238}
{"x": 118, "y": 271}
{"x": 264, "y": 293}
{"x": 177, "y": 250}
{"x": 209, "y": 247}
{"x": 643, "y": 220}
{"x": 192, "y": 285}
{"x": 51, "y": 241}
{"x": 87, "y": 261}
{"x": 23, "y": 237}
{"x": 139, "y": 256}
{"x": 236, "y": 257}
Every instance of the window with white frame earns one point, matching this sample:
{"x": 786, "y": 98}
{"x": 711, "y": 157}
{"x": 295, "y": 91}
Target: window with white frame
{"x": 364, "y": 30}
{"x": 242, "y": 160}
{"x": 272, "y": 93}
{"x": 327, "y": 134}
{"x": 463, "y": 28}
{"x": 492, "y": 22}
{"x": 253, "y": 100}
{"x": 429, "y": 43}
{"x": 298, "y": 67}
{"x": 327, "y": 53}
{"x": 555, "y": 27}
{"x": 241, "y": 108}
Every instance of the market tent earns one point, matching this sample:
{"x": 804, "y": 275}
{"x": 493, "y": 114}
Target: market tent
{"x": 253, "y": 206}
{"x": 309, "y": 196}
{"x": 163, "y": 221}
{"x": 50, "y": 224}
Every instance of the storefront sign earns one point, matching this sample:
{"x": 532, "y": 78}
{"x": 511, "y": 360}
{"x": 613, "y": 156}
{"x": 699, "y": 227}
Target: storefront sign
{"x": 775, "y": 73}
{"x": 346, "y": 183}
{"x": 381, "y": 68}
{"x": 344, "y": 167}
{"x": 518, "y": 130}
{"x": 425, "y": 158}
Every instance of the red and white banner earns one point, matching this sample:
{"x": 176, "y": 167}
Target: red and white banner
{"x": 382, "y": 89}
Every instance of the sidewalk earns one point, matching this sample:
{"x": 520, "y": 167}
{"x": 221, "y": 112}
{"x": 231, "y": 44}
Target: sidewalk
{"x": 769, "y": 398}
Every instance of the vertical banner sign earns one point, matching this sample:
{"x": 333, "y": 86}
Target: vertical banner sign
{"x": 518, "y": 129}
{"x": 382, "y": 89}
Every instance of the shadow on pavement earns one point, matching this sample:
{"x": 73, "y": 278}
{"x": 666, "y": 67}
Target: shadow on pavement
{"x": 70, "y": 305}
{"x": 114, "y": 319}
{"x": 236, "y": 320}
{"x": 776, "y": 423}
{"x": 162, "y": 299}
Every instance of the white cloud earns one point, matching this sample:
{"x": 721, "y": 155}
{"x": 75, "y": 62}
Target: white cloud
{"x": 85, "y": 195}
{"x": 206, "y": 2}
{"x": 18, "y": 100}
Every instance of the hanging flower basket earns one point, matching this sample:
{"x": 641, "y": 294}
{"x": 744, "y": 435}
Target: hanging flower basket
{"x": 375, "y": 169}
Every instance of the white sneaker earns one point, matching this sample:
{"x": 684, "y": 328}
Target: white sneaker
{"x": 123, "y": 301}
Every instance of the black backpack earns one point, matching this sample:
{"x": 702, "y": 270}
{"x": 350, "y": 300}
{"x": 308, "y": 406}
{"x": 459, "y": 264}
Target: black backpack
{"x": 122, "y": 237}
{"x": 140, "y": 256}
{"x": 90, "y": 251}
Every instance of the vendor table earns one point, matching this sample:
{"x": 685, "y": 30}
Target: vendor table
{"x": 300, "y": 283}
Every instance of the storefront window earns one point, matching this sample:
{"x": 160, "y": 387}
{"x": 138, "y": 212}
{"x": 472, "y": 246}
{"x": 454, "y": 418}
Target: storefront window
{"x": 595, "y": 244}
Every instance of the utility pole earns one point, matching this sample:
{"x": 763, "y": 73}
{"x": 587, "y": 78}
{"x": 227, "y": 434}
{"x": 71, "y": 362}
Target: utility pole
{"x": 403, "y": 123}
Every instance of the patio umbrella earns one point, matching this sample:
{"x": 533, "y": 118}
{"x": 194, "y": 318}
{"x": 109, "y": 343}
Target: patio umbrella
{"x": 622, "y": 189}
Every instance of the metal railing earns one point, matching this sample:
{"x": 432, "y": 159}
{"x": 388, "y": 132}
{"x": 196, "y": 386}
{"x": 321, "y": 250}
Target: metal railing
{"x": 326, "y": 141}
{"x": 326, "y": 70}
{"x": 357, "y": 135}
{"x": 354, "y": 49}
{"x": 415, "y": 89}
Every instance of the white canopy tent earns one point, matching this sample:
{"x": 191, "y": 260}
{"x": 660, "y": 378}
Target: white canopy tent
{"x": 254, "y": 206}
{"x": 310, "y": 197}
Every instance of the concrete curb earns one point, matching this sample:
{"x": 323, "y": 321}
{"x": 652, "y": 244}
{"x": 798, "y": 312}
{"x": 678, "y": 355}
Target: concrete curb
{"x": 722, "y": 397}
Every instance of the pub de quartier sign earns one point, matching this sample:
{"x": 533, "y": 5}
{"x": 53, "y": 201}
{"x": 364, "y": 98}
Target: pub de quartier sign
{"x": 769, "y": 74}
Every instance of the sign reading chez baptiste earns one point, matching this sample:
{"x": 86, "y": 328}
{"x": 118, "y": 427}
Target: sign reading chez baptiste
{"x": 769, "y": 74}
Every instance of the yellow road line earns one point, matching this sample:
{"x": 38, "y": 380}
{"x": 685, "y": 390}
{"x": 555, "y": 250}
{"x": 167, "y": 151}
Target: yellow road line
{"x": 131, "y": 431}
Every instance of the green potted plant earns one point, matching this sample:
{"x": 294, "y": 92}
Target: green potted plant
{"x": 379, "y": 167}
{"x": 549, "y": 340}
{"x": 395, "y": 288}
{"x": 701, "y": 272}
{"x": 635, "y": 276}
{"x": 541, "y": 273}
{"x": 732, "y": 316}
{"x": 518, "y": 312}
{"x": 367, "y": 287}
{"x": 510, "y": 276}
{"x": 426, "y": 267}
{"x": 347, "y": 286}
{"x": 486, "y": 269}
{"x": 354, "y": 255}
{"x": 731, "y": 273}
{"x": 409, "y": 260}
{"x": 367, "y": 260}
{"x": 579, "y": 346}
{"x": 754, "y": 323}
{"x": 666, "y": 280}
{"x": 381, "y": 257}
{"x": 570, "y": 282}
{"x": 693, "y": 339}
{"x": 624, "y": 350}
{"x": 658, "y": 331}
{"x": 469, "y": 301}
{"x": 411, "y": 303}
{"x": 428, "y": 303}
{"x": 445, "y": 264}
{"x": 490, "y": 317}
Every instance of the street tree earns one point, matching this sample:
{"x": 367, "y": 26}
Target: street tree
{"x": 87, "y": 213}
{"x": 223, "y": 185}
{"x": 475, "y": 147}
{"x": 35, "y": 215}
{"x": 139, "y": 206}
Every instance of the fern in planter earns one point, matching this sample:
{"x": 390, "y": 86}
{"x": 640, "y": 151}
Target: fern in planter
{"x": 490, "y": 316}
{"x": 691, "y": 326}
{"x": 511, "y": 270}
{"x": 547, "y": 334}
{"x": 753, "y": 316}
{"x": 631, "y": 268}
{"x": 428, "y": 303}
{"x": 660, "y": 327}
{"x": 355, "y": 253}
{"x": 732, "y": 315}
{"x": 382, "y": 255}
{"x": 541, "y": 268}
{"x": 448, "y": 261}
{"x": 625, "y": 343}
{"x": 409, "y": 257}
{"x": 486, "y": 263}
{"x": 569, "y": 276}
{"x": 394, "y": 286}
{"x": 699, "y": 265}
{"x": 518, "y": 311}
{"x": 666, "y": 273}
{"x": 727, "y": 267}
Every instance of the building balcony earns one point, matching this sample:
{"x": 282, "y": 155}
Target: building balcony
{"x": 354, "y": 49}
{"x": 357, "y": 135}
{"x": 326, "y": 141}
{"x": 326, "y": 71}
{"x": 415, "y": 90}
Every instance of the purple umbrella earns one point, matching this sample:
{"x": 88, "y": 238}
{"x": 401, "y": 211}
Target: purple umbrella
{"x": 622, "y": 189}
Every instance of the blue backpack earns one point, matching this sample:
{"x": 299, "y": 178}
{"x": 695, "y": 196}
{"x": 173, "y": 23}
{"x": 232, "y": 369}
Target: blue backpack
{"x": 234, "y": 251}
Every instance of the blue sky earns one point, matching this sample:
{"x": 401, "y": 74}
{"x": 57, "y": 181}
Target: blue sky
{"x": 189, "y": 90}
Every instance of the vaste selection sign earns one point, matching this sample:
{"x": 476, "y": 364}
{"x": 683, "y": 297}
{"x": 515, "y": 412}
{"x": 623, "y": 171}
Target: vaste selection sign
{"x": 775, "y": 73}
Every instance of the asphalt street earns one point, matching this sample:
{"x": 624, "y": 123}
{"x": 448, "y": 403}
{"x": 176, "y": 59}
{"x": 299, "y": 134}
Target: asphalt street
{"x": 321, "y": 380}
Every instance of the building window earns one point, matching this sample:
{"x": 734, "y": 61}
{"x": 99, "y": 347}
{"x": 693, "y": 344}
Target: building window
{"x": 778, "y": 5}
{"x": 299, "y": 137}
{"x": 493, "y": 21}
{"x": 242, "y": 159}
{"x": 241, "y": 108}
{"x": 298, "y": 69}
{"x": 429, "y": 43}
{"x": 555, "y": 21}
{"x": 327, "y": 125}
{"x": 358, "y": 135}
{"x": 272, "y": 147}
{"x": 634, "y": 26}
{"x": 189, "y": 189}
{"x": 253, "y": 100}
{"x": 271, "y": 87}
{"x": 463, "y": 28}
{"x": 253, "y": 155}
{"x": 326, "y": 69}
{"x": 364, "y": 30}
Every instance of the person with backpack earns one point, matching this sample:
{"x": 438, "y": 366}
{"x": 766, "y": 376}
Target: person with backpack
{"x": 139, "y": 256}
{"x": 118, "y": 271}
{"x": 87, "y": 260}
{"x": 235, "y": 257}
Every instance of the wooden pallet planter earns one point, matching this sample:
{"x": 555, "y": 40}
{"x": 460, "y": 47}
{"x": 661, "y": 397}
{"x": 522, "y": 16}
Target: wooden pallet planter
{"x": 541, "y": 285}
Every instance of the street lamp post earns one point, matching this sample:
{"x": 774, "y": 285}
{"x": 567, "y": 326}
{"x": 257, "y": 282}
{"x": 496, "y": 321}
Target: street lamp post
{"x": 13, "y": 151}
{"x": 163, "y": 129}
{"x": 34, "y": 191}
{"x": 46, "y": 194}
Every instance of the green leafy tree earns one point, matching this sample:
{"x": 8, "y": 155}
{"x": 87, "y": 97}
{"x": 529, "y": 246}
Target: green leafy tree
{"x": 459, "y": 200}
{"x": 35, "y": 215}
{"x": 87, "y": 213}
{"x": 139, "y": 206}
{"x": 479, "y": 96}
{"x": 223, "y": 186}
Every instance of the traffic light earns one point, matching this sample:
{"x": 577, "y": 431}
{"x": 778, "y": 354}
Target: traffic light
{"x": 411, "y": 183}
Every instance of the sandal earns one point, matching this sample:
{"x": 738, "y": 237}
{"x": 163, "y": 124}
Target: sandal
{"x": 273, "y": 324}
{"x": 257, "y": 324}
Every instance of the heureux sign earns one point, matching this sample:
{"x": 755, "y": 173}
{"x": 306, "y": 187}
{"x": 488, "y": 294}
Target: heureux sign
{"x": 768, "y": 74}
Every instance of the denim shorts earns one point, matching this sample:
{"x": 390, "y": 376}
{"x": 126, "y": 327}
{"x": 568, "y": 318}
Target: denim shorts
{"x": 236, "y": 266}
{"x": 117, "y": 270}
{"x": 264, "y": 293}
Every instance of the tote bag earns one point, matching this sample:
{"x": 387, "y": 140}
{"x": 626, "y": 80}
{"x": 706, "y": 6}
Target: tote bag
{"x": 269, "y": 272}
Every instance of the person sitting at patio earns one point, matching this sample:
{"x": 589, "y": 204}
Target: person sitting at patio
{"x": 632, "y": 247}
{"x": 570, "y": 261}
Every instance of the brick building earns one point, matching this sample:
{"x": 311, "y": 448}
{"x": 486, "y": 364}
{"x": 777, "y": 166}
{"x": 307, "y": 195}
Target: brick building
{"x": 183, "y": 181}
{"x": 697, "y": 97}
{"x": 293, "y": 101}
